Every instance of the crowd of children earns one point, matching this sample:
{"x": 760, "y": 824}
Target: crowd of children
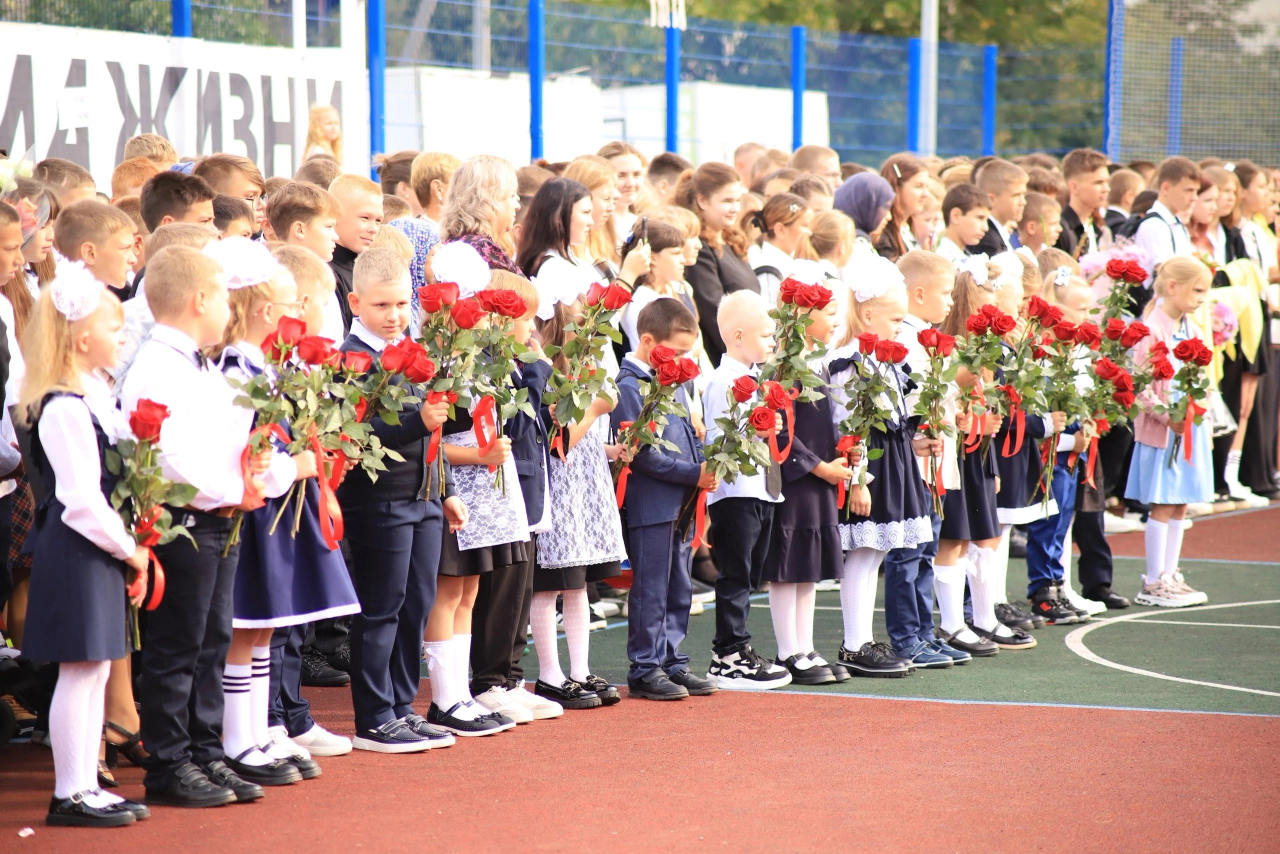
{"x": 145, "y": 314}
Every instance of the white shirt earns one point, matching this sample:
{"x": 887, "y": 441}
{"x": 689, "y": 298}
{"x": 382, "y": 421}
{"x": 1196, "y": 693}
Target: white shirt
{"x": 1162, "y": 236}
{"x": 948, "y": 249}
{"x": 280, "y": 477}
{"x": 69, "y": 441}
{"x": 376, "y": 342}
{"x": 332, "y": 327}
{"x": 715, "y": 403}
{"x": 918, "y": 361}
{"x": 17, "y": 365}
{"x": 202, "y": 440}
{"x": 138, "y": 321}
{"x": 772, "y": 256}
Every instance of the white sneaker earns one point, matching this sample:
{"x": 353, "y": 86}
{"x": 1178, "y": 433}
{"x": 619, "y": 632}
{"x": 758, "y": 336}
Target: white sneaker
{"x": 496, "y": 699}
{"x": 540, "y": 707}
{"x": 1195, "y": 509}
{"x": 1177, "y": 582}
{"x": 320, "y": 742}
{"x": 596, "y": 620}
{"x": 1136, "y": 518}
{"x": 695, "y": 608}
{"x": 280, "y": 746}
{"x": 1113, "y": 524}
{"x": 1162, "y": 595}
{"x": 607, "y": 607}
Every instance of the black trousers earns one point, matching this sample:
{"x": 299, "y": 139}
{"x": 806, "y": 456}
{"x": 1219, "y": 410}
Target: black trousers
{"x": 499, "y": 624}
{"x": 1095, "y": 567}
{"x": 184, "y": 647}
{"x": 288, "y": 708}
{"x": 740, "y": 529}
{"x": 1114, "y": 452}
{"x": 395, "y": 549}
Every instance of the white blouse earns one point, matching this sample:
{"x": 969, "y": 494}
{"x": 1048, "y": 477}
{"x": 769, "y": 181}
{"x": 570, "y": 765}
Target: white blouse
{"x": 562, "y": 280}
{"x": 68, "y": 438}
{"x": 772, "y": 256}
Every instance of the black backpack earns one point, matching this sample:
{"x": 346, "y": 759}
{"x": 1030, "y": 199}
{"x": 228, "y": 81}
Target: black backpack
{"x": 1129, "y": 228}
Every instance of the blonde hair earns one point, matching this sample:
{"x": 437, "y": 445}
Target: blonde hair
{"x": 921, "y": 263}
{"x": 378, "y": 266}
{"x": 315, "y": 137}
{"x": 853, "y": 322}
{"x": 133, "y": 172}
{"x": 244, "y": 302}
{"x": 999, "y": 176}
{"x": 309, "y": 272}
{"x": 189, "y": 234}
{"x": 430, "y": 166}
{"x": 1050, "y": 259}
{"x": 1178, "y": 270}
{"x": 964, "y": 299}
{"x": 352, "y": 184}
{"x": 174, "y": 275}
{"x": 152, "y": 146}
{"x": 478, "y": 186}
{"x": 678, "y": 217}
{"x": 594, "y": 172}
{"x": 1052, "y": 294}
{"x": 829, "y": 231}
{"x": 504, "y": 280}
{"x": 387, "y": 237}
{"x": 48, "y": 342}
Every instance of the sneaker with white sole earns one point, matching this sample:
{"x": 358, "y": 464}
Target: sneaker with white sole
{"x": 318, "y": 741}
{"x": 607, "y": 608}
{"x": 391, "y": 737}
{"x": 1161, "y": 595}
{"x": 497, "y": 699}
{"x": 696, "y": 608}
{"x": 1180, "y": 584}
{"x": 745, "y": 670}
{"x": 280, "y": 746}
{"x": 827, "y": 585}
{"x": 540, "y": 707}
{"x": 1113, "y": 524}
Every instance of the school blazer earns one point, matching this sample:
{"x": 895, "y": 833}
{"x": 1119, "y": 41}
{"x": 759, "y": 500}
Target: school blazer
{"x": 529, "y": 439}
{"x": 661, "y": 481}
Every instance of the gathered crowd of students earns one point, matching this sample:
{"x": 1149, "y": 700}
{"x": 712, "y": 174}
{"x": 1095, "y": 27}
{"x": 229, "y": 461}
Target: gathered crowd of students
{"x": 172, "y": 290}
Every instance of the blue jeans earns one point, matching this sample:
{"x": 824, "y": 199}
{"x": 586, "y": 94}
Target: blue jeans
{"x": 1046, "y": 538}
{"x": 908, "y": 591}
{"x": 658, "y": 604}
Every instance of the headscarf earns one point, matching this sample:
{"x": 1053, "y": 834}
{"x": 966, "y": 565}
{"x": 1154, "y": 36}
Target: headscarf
{"x": 865, "y": 198}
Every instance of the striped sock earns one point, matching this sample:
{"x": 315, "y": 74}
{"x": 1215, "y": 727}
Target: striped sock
{"x": 260, "y": 693}
{"x": 237, "y": 726}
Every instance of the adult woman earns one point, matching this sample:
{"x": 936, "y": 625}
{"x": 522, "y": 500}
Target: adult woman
{"x": 629, "y": 171}
{"x": 867, "y": 199}
{"x": 324, "y": 132}
{"x": 601, "y": 249}
{"x": 395, "y": 175}
{"x": 909, "y": 179}
{"x": 714, "y": 192}
{"x": 481, "y": 208}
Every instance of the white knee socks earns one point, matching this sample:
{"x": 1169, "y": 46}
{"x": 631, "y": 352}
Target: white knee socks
{"x": 782, "y": 608}
{"x": 75, "y": 727}
{"x": 260, "y": 693}
{"x": 577, "y": 632}
{"x": 1173, "y": 546}
{"x": 948, "y": 586}
{"x": 1157, "y": 538}
{"x": 858, "y": 595}
{"x": 237, "y": 715}
{"x": 1231, "y": 471}
{"x": 999, "y": 589}
{"x": 806, "y": 600}
{"x": 984, "y": 575}
{"x": 542, "y": 615}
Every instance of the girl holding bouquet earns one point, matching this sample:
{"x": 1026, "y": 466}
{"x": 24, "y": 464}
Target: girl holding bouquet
{"x": 77, "y": 607}
{"x": 1158, "y": 475}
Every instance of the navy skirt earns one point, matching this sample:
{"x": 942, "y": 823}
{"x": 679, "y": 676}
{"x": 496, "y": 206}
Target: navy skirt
{"x": 77, "y": 609}
{"x": 970, "y": 511}
{"x": 900, "y": 502}
{"x": 804, "y": 545}
{"x": 283, "y": 580}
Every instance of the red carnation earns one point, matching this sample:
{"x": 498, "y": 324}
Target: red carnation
{"x": 744, "y": 388}
{"x": 867, "y": 343}
{"x": 616, "y": 296}
{"x": 146, "y": 419}
{"x": 661, "y": 354}
{"x": 466, "y": 313}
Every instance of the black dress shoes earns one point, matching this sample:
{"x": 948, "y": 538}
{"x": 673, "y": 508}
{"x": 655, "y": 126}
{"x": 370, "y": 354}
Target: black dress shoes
{"x": 1104, "y": 594}
{"x": 188, "y": 786}
{"x": 279, "y": 772}
{"x": 656, "y": 686}
{"x": 74, "y": 812}
{"x": 697, "y": 686}
{"x": 220, "y": 774}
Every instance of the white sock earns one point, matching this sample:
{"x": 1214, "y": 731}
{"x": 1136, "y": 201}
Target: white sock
{"x": 542, "y": 616}
{"x": 460, "y": 658}
{"x": 438, "y": 671}
{"x": 75, "y": 726}
{"x": 806, "y": 600}
{"x": 782, "y": 608}
{"x": 1156, "y": 537}
{"x": 982, "y": 580}
{"x": 948, "y": 585}
{"x": 856, "y": 606}
{"x": 1173, "y": 546}
{"x": 577, "y": 632}
{"x": 1231, "y": 471}
{"x": 260, "y": 693}
{"x": 237, "y": 716}
{"x": 999, "y": 590}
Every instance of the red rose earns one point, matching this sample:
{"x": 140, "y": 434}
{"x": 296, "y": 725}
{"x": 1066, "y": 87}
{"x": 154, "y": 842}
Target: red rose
{"x": 787, "y": 290}
{"x": 978, "y": 324}
{"x": 395, "y": 358}
{"x": 668, "y": 373}
{"x": 291, "y": 330}
{"x": 466, "y": 313}
{"x": 1088, "y": 334}
{"x": 867, "y": 343}
{"x": 775, "y": 396}
{"x": 1162, "y": 370}
{"x": 990, "y": 310}
{"x": 899, "y": 352}
{"x": 946, "y": 345}
{"x": 1134, "y": 333}
{"x": 1123, "y": 381}
{"x": 420, "y": 368}
{"x": 661, "y": 354}
{"x": 1116, "y": 269}
{"x": 510, "y": 304}
{"x": 315, "y": 350}
{"x": 812, "y": 296}
{"x": 1052, "y": 316}
{"x": 1115, "y": 329}
{"x": 885, "y": 351}
{"x": 1186, "y": 351}
{"x": 432, "y": 298}
{"x": 1159, "y": 350}
{"x": 847, "y": 444}
{"x": 1106, "y": 369}
{"x": 688, "y": 369}
{"x": 362, "y": 409}
{"x": 146, "y": 419}
{"x": 616, "y": 296}
{"x": 1204, "y": 355}
{"x": 1065, "y": 331}
{"x": 487, "y": 300}
{"x": 763, "y": 419}
{"x": 1135, "y": 273}
{"x": 1039, "y": 352}
{"x": 357, "y": 362}
{"x": 1124, "y": 398}
{"x": 595, "y": 293}
{"x": 1036, "y": 307}
{"x": 928, "y": 338}
{"x": 744, "y": 388}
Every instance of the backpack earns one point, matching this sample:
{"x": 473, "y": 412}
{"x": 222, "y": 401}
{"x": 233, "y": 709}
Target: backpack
{"x": 1129, "y": 228}
{"x": 772, "y": 271}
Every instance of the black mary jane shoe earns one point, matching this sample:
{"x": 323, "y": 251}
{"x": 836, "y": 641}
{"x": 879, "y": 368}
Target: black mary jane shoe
{"x": 838, "y": 670}
{"x": 1016, "y": 639}
{"x": 570, "y": 694}
{"x": 74, "y": 812}
{"x": 814, "y": 675}
{"x": 601, "y": 688}
{"x": 140, "y": 811}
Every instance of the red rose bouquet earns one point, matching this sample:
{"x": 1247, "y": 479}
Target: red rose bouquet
{"x": 789, "y": 366}
{"x": 658, "y": 400}
{"x": 1192, "y": 382}
{"x": 982, "y": 353}
{"x": 869, "y": 401}
{"x": 930, "y": 406}
{"x": 1114, "y": 273}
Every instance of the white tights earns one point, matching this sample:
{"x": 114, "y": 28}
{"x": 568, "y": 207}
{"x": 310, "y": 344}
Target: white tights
{"x": 858, "y": 595}
{"x": 75, "y": 729}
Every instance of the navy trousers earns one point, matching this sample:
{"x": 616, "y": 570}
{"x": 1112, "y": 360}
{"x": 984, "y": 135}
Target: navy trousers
{"x": 740, "y": 529}
{"x": 288, "y": 708}
{"x": 658, "y": 604}
{"x": 908, "y": 591}
{"x": 395, "y": 550}
{"x": 1046, "y": 538}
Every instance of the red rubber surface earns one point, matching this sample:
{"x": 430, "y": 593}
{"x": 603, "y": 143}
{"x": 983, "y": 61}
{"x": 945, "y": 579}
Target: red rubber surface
{"x": 1246, "y": 536}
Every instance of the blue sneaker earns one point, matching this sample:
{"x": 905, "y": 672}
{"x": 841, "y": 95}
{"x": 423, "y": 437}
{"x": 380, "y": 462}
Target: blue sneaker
{"x": 923, "y": 655}
{"x": 958, "y": 656}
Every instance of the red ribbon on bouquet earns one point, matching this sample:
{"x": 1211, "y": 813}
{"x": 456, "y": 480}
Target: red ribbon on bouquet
{"x": 1188, "y": 427}
{"x": 434, "y": 397}
{"x": 621, "y": 490}
{"x": 146, "y": 528}
{"x": 267, "y": 430}
{"x": 845, "y": 446}
{"x": 1019, "y": 425}
{"x": 331, "y": 526}
{"x": 485, "y": 425}
{"x": 789, "y": 424}
{"x": 700, "y": 519}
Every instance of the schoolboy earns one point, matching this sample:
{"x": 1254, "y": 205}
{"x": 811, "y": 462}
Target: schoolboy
{"x": 360, "y": 204}
{"x": 394, "y": 526}
{"x": 1125, "y": 186}
{"x": 661, "y": 484}
{"x": 1084, "y": 228}
{"x": 908, "y": 573}
{"x": 817, "y": 160}
{"x": 1005, "y": 184}
{"x": 965, "y": 214}
{"x": 429, "y": 178}
{"x": 741, "y": 512}
{"x": 174, "y": 197}
{"x": 154, "y": 147}
{"x": 102, "y": 238}
{"x": 186, "y": 638}
{"x": 319, "y": 171}
{"x": 664, "y": 173}
{"x": 69, "y": 181}
{"x": 302, "y": 214}
{"x": 1162, "y": 233}
{"x": 127, "y": 178}
{"x": 132, "y": 207}
{"x": 232, "y": 217}
{"x": 1041, "y": 222}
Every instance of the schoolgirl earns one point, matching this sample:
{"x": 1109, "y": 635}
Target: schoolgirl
{"x": 892, "y": 510}
{"x": 832, "y": 237}
{"x": 76, "y": 613}
{"x": 629, "y": 167}
{"x": 784, "y": 223}
{"x": 602, "y": 241}
{"x": 909, "y": 179}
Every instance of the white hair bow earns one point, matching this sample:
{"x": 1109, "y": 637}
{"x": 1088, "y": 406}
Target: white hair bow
{"x": 807, "y": 272}
{"x": 877, "y": 276}
{"x": 976, "y": 266}
{"x": 460, "y": 263}
{"x": 1061, "y": 276}
{"x": 1010, "y": 264}
{"x": 244, "y": 262}
{"x": 76, "y": 293}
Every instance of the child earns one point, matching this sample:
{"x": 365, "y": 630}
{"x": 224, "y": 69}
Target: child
{"x": 238, "y": 177}
{"x": 741, "y": 512}
{"x": 1124, "y": 188}
{"x": 324, "y": 132}
{"x": 393, "y": 527}
{"x": 76, "y": 609}
{"x": 360, "y": 205}
{"x": 965, "y": 210}
{"x": 804, "y": 543}
{"x": 1041, "y": 223}
{"x": 1161, "y": 232}
{"x": 664, "y": 173}
{"x": 891, "y": 511}
{"x": 661, "y": 484}
{"x": 1006, "y": 186}
{"x": 816, "y": 192}
{"x": 100, "y": 237}
{"x": 232, "y": 217}
{"x": 1168, "y": 481}
{"x": 429, "y": 177}
{"x": 127, "y": 178}
{"x": 132, "y": 207}
{"x": 784, "y": 223}
{"x": 69, "y": 181}
{"x": 154, "y": 147}
{"x": 185, "y": 640}
{"x": 908, "y": 572}
{"x": 175, "y": 197}
{"x": 283, "y": 579}
{"x": 302, "y": 214}
{"x": 665, "y": 277}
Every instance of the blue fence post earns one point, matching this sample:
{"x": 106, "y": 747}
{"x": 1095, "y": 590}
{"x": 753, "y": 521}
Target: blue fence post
{"x": 799, "y": 72}
{"x": 914, "y": 55}
{"x": 990, "y": 53}
{"x": 672, "y": 76}
{"x": 376, "y": 24}
{"x": 1174, "y": 144}
{"x": 537, "y": 72}
{"x": 1111, "y": 102}
{"x": 181, "y": 13}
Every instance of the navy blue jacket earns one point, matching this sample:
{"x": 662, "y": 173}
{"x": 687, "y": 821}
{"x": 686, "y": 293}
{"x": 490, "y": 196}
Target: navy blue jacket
{"x": 661, "y": 481}
{"x": 529, "y": 439}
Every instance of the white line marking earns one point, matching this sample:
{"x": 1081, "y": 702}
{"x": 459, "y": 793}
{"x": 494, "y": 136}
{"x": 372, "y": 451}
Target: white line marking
{"x": 1223, "y": 625}
{"x": 1075, "y": 643}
